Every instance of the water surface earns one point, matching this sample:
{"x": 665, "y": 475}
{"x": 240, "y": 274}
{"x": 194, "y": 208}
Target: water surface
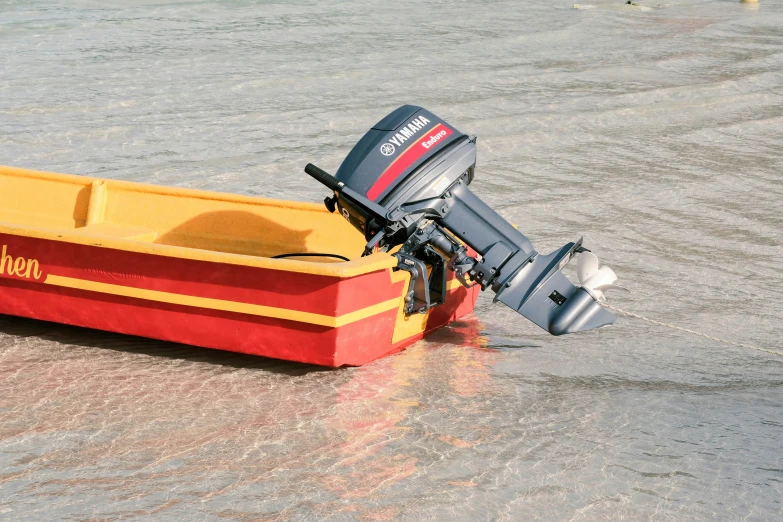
{"x": 655, "y": 133}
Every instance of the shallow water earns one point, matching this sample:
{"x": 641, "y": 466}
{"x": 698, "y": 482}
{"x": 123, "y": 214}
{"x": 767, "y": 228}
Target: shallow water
{"x": 657, "y": 134}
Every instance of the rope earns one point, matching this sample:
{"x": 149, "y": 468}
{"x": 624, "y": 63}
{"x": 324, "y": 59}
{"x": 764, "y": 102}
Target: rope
{"x": 680, "y": 328}
{"x": 310, "y": 254}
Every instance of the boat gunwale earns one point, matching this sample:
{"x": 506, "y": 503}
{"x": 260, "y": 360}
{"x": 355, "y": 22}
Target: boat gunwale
{"x": 137, "y": 186}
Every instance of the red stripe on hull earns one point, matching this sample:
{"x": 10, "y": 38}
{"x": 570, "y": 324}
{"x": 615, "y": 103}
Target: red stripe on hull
{"x": 243, "y": 333}
{"x": 294, "y": 291}
{"x": 354, "y": 343}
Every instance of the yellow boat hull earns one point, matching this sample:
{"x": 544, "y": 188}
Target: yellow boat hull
{"x": 197, "y": 267}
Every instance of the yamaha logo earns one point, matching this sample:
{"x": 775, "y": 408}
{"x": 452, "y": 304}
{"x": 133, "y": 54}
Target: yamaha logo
{"x": 404, "y": 134}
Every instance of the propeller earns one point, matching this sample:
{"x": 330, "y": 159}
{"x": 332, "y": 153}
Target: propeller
{"x": 594, "y": 278}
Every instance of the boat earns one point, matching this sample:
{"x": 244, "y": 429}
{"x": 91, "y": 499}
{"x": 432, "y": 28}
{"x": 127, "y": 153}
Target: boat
{"x": 402, "y": 246}
{"x": 259, "y": 276}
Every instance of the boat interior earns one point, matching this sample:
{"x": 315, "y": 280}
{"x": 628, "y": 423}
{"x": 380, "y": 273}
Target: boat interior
{"x": 135, "y": 212}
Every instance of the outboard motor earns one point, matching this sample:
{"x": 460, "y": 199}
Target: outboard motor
{"x": 405, "y": 184}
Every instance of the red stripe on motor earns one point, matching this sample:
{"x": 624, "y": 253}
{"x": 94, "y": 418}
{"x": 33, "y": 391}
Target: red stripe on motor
{"x": 406, "y": 159}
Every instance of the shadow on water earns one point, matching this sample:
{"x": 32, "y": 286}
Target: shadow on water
{"x": 90, "y": 338}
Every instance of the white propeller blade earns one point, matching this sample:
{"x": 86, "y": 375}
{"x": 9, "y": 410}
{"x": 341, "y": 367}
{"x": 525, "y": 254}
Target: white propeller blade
{"x": 594, "y": 278}
{"x": 586, "y": 266}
